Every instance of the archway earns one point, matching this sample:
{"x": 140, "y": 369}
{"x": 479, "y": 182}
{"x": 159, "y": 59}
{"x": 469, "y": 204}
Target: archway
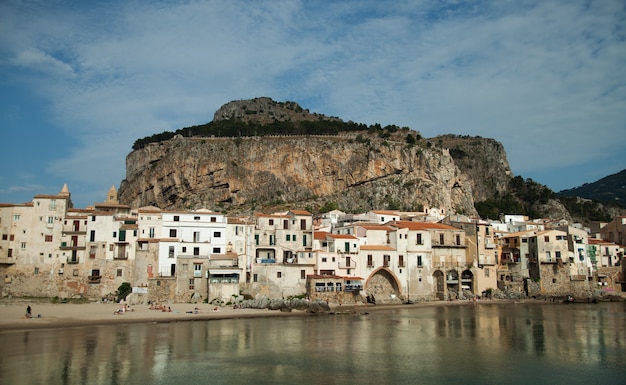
{"x": 383, "y": 285}
{"x": 440, "y": 291}
{"x": 452, "y": 284}
{"x": 467, "y": 281}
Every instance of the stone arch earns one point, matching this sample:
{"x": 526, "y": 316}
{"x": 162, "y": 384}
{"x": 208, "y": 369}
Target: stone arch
{"x": 440, "y": 287}
{"x": 467, "y": 281}
{"x": 453, "y": 284}
{"x": 383, "y": 285}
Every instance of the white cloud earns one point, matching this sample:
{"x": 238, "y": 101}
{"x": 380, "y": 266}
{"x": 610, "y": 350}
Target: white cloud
{"x": 545, "y": 78}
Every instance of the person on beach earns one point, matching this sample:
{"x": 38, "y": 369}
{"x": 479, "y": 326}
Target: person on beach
{"x": 29, "y": 313}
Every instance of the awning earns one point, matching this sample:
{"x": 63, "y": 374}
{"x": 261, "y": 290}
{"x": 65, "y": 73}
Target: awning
{"x": 224, "y": 271}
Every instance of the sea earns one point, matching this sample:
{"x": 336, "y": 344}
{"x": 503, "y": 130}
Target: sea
{"x": 485, "y": 343}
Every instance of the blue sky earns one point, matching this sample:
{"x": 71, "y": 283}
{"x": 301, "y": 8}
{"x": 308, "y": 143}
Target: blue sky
{"x": 80, "y": 81}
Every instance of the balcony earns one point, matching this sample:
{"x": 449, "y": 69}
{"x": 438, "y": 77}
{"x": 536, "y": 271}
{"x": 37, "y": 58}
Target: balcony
{"x": 265, "y": 260}
{"x": 72, "y": 260}
{"x": 94, "y": 278}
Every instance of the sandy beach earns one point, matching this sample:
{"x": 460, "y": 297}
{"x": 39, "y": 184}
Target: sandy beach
{"x": 64, "y": 315}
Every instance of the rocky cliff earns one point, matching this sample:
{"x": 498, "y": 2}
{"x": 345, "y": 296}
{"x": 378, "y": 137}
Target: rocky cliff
{"x": 357, "y": 171}
{"x": 253, "y": 173}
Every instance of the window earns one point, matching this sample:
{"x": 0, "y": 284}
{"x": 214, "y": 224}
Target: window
{"x": 92, "y": 251}
{"x": 524, "y": 240}
{"x": 255, "y": 278}
{"x": 111, "y": 247}
{"x": 115, "y": 234}
{"x": 288, "y": 237}
{"x": 217, "y": 250}
{"x": 151, "y": 232}
{"x": 5, "y": 237}
{"x": 75, "y": 272}
{"x": 279, "y": 274}
{"x": 419, "y": 260}
{"x": 302, "y": 274}
{"x": 370, "y": 260}
{"x": 50, "y": 220}
{"x": 546, "y": 238}
{"x": 191, "y": 284}
{"x": 23, "y": 245}
{"x": 176, "y": 218}
{"x": 348, "y": 261}
{"x": 196, "y": 251}
{"x": 386, "y": 260}
{"x": 400, "y": 260}
{"x": 487, "y": 273}
{"x": 122, "y": 235}
{"x": 48, "y": 238}
{"x": 213, "y": 219}
{"x": 323, "y": 259}
{"x": 285, "y": 224}
{"x": 170, "y": 253}
{"x": 458, "y": 240}
{"x": 419, "y": 240}
{"x": 548, "y": 256}
{"x": 196, "y": 218}
{"x": 53, "y": 204}
{"x": 93, "y": 218}
{"x": 197, "y": 270}
{"x": 36, "y": 270}
{"x": 557, "y": 254}
{"x": 271, "y": 222}
{"x": 92, "y": 236}
{"x": 256, "y": 239}
{"x": 16, "y": 217}
{"x": 172, "y": 233}
{"x": 196, "y": 236}
{"x": 119, "y": 272}
{"x": 441, "y": 239}
{"x": 217, "y": 234}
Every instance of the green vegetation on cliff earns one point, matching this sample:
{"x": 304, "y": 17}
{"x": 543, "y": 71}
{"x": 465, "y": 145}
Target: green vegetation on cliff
{"x": 238, "y": 128}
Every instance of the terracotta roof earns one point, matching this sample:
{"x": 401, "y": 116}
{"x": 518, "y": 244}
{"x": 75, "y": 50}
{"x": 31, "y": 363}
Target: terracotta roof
{"x": 300, "y": 212}
{"x": 341, "y": 236}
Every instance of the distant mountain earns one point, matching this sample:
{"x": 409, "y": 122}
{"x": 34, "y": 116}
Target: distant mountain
{"x": 610, "y": 189}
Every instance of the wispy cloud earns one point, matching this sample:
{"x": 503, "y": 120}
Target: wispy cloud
{"x": 545, "y": 78}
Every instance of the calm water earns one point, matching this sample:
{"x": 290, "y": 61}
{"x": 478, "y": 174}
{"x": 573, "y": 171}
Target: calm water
{"x": 483, "y": 344}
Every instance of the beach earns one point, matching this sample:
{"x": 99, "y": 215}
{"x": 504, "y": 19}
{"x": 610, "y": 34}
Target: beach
{"x": 64, "y": 315}
{"x": 46, "y": 315}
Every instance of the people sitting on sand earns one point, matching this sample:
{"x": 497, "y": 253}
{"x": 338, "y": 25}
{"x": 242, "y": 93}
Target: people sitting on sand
{"x": 216, "y": 308}
{"x": 118, "y": 312}
{"x": 29, "y": 313}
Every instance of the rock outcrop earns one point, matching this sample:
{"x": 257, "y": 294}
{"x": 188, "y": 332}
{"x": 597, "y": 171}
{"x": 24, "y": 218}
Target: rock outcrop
{"x": 357, "y": 171}
{"x": 252, "y": 173}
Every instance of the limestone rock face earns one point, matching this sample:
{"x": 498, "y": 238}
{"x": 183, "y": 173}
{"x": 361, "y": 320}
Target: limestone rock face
{"x": 483, "y": 160}
{"x": 245, "y": 174}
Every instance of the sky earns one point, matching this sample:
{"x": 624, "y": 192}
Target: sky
{"x": 80, "y": 81}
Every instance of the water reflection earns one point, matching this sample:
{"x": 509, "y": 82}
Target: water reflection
{"x": 516, "y": 343}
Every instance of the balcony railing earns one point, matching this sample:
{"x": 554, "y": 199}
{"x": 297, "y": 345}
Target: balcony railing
{"x": 72, "y": 260}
